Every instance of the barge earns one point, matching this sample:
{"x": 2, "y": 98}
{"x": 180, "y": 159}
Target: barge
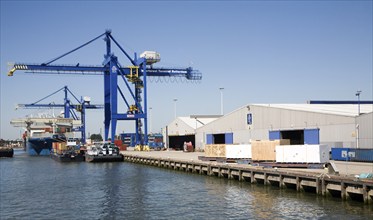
{"x": 6, "y": 152}
{"x": 69, "y": 151}
{"x": 68, "y": 156}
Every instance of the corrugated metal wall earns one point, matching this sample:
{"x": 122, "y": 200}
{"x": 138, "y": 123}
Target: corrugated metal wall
{"x": 365, "y": 123}
{"x": 335, "y": 130}
{"x": 178, "y": 127}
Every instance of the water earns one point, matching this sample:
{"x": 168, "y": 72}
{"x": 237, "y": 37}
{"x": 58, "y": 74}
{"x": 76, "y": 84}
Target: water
{"x": 41, "y": 188}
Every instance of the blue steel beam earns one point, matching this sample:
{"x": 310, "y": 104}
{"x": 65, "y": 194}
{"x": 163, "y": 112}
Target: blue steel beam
{"x": 51, "y": 105}
{"x": 188, "y": 73}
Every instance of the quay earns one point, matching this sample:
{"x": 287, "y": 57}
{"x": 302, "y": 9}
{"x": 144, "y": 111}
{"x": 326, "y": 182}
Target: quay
{"x": 316, "y": 181}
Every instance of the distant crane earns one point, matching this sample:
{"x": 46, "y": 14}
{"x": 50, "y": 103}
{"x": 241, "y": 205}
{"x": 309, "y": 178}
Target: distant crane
{"x": 70, "y": 109}
{"x": 135, "y": 74}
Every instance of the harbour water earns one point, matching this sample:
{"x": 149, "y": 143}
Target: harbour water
{"x": 41, "y": 188}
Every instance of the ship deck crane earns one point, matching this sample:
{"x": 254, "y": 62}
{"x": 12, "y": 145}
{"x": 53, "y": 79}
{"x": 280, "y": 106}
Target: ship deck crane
{"x": 70, "y": 109}
{"x": 136, "y": 75}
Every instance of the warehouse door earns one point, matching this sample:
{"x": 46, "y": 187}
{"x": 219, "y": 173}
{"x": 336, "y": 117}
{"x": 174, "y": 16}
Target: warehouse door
{"x": 177, "y": 142}
{"x": 295, "y": 136}
{"x": 219, "y": 139}
{"x": 228, "y": 138}
{"x": 311, "y": 136}
{"x": 274, "y": 135}
{"x": 209, "y": 139}
{"x": 304, "y": 136}
{"x": 224, "y": 138}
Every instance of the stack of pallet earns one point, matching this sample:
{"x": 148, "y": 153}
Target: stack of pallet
{"x": 231, "y": 151}
{"x": 265, "y": 150}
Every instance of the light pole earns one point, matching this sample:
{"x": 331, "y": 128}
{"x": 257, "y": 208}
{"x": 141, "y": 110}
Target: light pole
{"x": 175, "y": 100}
{"x": 221, "y": 101}
{"x": 358, "y": 100}
{"x": 150, "y": 120}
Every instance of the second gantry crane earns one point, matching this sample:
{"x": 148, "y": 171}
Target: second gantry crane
{"x": 70, "y": 109}
{"x": 134, "y": 77}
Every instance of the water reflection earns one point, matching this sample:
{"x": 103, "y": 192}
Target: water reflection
{"x": 40, "y": 188}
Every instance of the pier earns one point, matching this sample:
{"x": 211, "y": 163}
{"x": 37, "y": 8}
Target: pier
{"x": 316, "y": 181}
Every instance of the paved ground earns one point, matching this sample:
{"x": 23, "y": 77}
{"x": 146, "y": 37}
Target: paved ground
{"x": 349, "y": 168}
{"x": 353, "y": 168}
{"x": 179, "y": 155}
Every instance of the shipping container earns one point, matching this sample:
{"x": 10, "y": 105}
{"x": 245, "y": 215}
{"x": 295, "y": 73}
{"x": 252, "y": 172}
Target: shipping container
{"x": 54, "y": 145}
{"x": 363, "y": 155}
{"x": 123, "y": 147}
{"x": 118, "y": 142}
{"x": 343, "y": 154}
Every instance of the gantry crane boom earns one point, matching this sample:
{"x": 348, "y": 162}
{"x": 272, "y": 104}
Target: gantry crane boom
{"x": 136, "y": 75}
{"x": 188, "y": 73}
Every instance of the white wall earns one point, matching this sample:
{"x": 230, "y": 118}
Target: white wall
{"x": 365, "y": 123}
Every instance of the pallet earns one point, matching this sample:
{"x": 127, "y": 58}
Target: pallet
{"x": 290, "y": 165}
{"x": 224, "y": 160}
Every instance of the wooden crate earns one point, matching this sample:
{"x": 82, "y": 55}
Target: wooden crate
{"x": 231, "y": 151}
{"x": 265, "y": 150}
{"x": 215, "y": 150}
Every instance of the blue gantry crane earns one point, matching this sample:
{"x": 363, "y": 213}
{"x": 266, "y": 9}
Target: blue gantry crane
{"x": 134, "y": 77}
{"x": 70, "y": 109}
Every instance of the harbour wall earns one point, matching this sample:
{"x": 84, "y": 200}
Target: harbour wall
{"x": 320, "y": 183}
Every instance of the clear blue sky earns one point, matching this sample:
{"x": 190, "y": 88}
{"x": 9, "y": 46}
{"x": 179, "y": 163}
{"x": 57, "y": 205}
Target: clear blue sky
{"x": 260, "y": 52}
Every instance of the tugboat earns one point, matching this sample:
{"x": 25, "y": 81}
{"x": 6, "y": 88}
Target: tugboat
{"x": 69, "y": 151}
{"x": 103, "y": 152}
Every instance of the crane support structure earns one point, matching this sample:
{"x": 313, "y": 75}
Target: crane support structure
{"x": 70, "y": 109}
{"x": 134, "y": 77}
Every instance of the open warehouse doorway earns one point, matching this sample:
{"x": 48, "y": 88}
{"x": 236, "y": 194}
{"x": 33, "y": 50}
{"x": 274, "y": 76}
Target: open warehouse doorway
{"x": 297, "y": 136}
{"x": 221, "y": 138}
{"x": 177, "y": 142}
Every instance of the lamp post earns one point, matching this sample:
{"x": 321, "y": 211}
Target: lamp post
{"x": 358, "y": 100}
{"x": 221, "y": 101}
{"x": 358, "y": 112}
{"x": 150, "y": 119}
{"x": 175, "y": 100}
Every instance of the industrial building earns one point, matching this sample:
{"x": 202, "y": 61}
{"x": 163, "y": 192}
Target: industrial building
{"x": 183, "y": 129}
{"x": 337, "y": 125}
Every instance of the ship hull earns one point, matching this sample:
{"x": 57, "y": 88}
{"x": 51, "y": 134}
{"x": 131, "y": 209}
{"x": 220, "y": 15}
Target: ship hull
{"x": 68, "y": 157}
{"x": 41, "y": 146}
{"x": 104, "y": 158}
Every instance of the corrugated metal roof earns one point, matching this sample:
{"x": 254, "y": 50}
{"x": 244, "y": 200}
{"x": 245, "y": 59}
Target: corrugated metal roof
{"x": 343, "y": 109}
{"x": 196, "y": 122}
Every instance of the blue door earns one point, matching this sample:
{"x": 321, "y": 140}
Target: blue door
{"x": 274, "y": 135}
{"x": 209, "y": 139}
{"x": 311, "y": 136}
{"x": 229, "y": 138}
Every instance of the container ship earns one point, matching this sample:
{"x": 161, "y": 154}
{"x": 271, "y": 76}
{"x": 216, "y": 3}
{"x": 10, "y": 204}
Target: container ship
{"x": 41, "y": 133}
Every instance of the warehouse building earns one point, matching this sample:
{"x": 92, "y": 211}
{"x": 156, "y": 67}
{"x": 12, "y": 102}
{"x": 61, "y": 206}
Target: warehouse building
{"x": 183, "y": 129}
{"x": 337, "y": 125}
